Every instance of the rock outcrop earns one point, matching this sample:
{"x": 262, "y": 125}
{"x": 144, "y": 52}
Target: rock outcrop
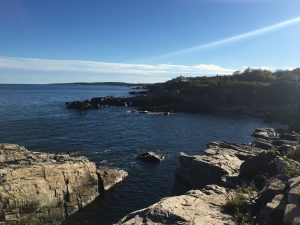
{"x": 109, "y": 177}
{"x": 274, "y": 99}
{"x": 41, "y": 188}
{"x": 255, "y": 183}
{"x": 219, "y": 161}
{"x": 199, "y": 207}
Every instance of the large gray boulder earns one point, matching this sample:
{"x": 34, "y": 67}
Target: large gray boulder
{"x": 197, "y": 171}
{"x": 40, "y": 188}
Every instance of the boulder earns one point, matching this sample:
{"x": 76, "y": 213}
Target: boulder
{"x": 263, "y": 144}
{"x": 242, "y": 151}
{"x": 199, "y": 207}
{"x": 195, "y": 172}
{"x": 151, "y": 157}
{"x": 274, "y": 211}
{"x": 276, "y": 134}
{"x": 108, "y": 177}
{"x": 259, "y": 164}
{"x": 274, "y": 186}
{"x": 266, "y": 133}
{"x": 40, "y": 188}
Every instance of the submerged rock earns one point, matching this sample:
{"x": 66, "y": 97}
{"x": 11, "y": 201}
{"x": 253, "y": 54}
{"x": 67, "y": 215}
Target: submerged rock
{"x": 41, "y": 188}
{"x": 151, "y": 157}
{"x": 201, "y": 207}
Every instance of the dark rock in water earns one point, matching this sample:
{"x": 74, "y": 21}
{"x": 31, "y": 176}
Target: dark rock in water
{"x": 152, "y": 157}
{"x": 82, "y": 113}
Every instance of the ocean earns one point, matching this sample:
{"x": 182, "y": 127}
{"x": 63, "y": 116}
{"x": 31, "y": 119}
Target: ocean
{"x": 35, "y": 116}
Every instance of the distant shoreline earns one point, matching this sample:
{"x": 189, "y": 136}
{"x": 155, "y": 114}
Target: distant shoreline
{"x": 89, "y": 83}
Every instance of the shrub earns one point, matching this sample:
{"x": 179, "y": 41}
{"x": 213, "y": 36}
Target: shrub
{"x": 294, "y": 153}
{"x": 238, "y": 204}
{"x": 291, "y": 167}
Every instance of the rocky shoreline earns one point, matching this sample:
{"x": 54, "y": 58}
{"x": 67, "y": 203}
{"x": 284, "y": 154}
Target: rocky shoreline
{"x": 256, "y": 183}
{"x": 269, "y": 101}
{"x": 41, "y": 188}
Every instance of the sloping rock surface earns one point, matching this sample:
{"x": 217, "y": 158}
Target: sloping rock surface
{"x": 197, "y": 207}
{"x": 109, "y": 177}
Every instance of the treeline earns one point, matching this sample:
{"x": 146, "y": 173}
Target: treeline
{"x": 260, "y": 75}
{"x": 249, "y": 75}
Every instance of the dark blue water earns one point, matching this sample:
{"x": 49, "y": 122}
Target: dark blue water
{"x": 35, "y": 116}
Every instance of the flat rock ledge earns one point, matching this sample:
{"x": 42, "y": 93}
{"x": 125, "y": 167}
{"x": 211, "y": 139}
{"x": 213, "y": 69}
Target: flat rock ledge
{"x": 200, "y": 207}
{"x": 41, "y": 188}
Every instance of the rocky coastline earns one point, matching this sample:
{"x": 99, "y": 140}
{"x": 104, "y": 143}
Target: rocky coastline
{"x": 258, "y": 93}
{"x": 256, "y": 183}
{"x": 230, "y": 183}
{"x": 41, "y": 188}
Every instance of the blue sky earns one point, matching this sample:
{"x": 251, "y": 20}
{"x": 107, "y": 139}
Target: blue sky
{"x": 144, "y": 40}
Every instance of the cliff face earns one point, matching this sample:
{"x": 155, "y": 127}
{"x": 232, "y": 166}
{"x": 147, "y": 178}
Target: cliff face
{"x": 40, "y": 188}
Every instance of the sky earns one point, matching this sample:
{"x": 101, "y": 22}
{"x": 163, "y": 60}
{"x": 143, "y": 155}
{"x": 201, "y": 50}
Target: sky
{"x": 53, "y": 41}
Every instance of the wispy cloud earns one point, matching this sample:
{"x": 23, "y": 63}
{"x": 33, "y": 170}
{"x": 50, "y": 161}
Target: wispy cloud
{"x": 165, "y": 71}
{"x": 236, "y": 38}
